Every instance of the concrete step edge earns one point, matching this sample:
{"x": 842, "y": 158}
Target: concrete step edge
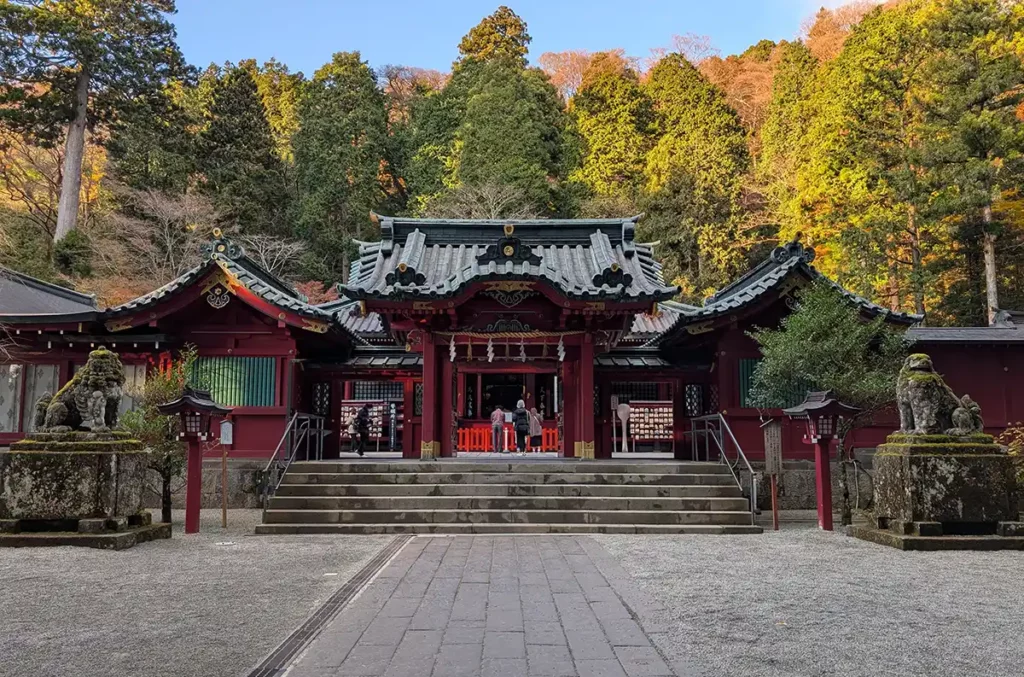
{"x": 513, "y": 528}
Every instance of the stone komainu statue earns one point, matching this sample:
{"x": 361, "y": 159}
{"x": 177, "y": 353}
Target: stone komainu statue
{"x": 930, "y": 407}
{"x": 90, "y": 400}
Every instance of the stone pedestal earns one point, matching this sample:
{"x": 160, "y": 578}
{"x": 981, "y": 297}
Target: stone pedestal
{"x": 931, "y": 485}
{"x": 934, "y": 487}
{"x": 74, "y": 484}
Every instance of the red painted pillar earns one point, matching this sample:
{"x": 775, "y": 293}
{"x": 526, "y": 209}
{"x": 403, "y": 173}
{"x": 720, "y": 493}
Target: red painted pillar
{"x": 570, "y": 398}
{"x": 479, "y": 409}
{"x": 446, "y": 423}
{"x": 193, "y": 486}
{"x": 823, "y": 481}
{"x": 678, "y": 418}
{"x": 430, "y": 446}
{"x": 586, "y": 400}
{"x": 460, "y": 393}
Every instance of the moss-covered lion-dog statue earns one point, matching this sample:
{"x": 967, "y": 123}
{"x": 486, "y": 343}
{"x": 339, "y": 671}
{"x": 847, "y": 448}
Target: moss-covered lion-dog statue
{"x": 90, "y": 400}
{"x": 930, "y": 407}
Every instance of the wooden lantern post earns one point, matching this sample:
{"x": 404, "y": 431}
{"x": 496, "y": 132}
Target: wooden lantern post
{"x": 822, "y": 412}
{"x": 195, "y": 408}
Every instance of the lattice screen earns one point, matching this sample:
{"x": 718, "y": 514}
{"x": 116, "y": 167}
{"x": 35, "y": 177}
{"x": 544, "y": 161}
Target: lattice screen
{"x": 377, "y": 391}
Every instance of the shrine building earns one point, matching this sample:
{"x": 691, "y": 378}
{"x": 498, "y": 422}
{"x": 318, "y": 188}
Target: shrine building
{"x": 441, "y": 321}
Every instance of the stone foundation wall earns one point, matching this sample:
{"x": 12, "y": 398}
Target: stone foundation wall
{"x": 797, "y": 487}
{"x": 243, "y": 485}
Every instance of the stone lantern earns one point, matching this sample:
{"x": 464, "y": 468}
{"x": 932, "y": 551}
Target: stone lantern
{"x": 195, "y": 407}
{"x": 822, "y": 413}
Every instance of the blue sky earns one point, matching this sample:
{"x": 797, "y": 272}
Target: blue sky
{"x": 304, "y": 33}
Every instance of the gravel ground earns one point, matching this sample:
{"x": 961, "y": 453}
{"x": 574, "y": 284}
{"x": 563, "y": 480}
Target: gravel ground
{"x": 186, "y": 607}
{"x": 805, "y": 602}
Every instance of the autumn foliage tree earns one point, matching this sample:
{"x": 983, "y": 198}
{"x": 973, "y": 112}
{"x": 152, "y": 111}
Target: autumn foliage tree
{"x": 68, "y": 65}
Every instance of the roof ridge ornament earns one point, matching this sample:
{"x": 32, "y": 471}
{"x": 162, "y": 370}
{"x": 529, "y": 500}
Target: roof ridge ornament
{"x": 509, "y": 248}
{"x": 793, "y": 249}
{"x": 221, "y": 246}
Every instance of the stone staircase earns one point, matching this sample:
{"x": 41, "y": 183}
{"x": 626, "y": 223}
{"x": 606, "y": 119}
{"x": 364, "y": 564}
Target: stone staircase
{"x": 508, "y": 497}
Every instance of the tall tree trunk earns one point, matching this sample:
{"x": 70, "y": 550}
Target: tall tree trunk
{"x": 893, "y": 284}
{"x": 989, "y": 250}
{"x": 916, "y": 273}
{"x": 74, "y": 153}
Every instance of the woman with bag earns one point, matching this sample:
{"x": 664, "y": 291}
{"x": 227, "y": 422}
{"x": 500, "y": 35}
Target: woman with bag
{"x": 536, "y": 430}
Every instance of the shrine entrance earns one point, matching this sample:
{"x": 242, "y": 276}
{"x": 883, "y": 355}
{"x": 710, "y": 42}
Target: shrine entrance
{"x": 481, "y": 389}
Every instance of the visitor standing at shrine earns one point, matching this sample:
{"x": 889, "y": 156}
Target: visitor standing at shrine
{"x": 521, "y": 422}
{"x": 536, "y": 430}
{"x": 363, "y": 428}
{"x": 498, "y": 429}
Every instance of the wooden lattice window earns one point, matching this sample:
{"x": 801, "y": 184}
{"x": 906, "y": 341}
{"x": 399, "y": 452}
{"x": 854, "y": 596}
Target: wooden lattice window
{"x": 694, "y": 394}
{"x": 377, "y": 391}
{"x": 322, "y": 398}
{"x": 627, "y": 391}
{"x": 417, "y": 399}
{"x": 712, "y": 399}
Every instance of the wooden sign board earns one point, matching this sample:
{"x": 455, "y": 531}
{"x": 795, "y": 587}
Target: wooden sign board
{"x": 773, "y": 448}
{"x": 227, "y": 432}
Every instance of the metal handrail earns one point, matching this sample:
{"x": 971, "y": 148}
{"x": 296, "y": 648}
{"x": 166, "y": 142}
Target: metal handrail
{"x": 299, "y": 430}
{"x": 718, "y": 435}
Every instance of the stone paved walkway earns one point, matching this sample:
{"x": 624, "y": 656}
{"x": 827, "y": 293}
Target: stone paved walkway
{"x": 489, "y": 606}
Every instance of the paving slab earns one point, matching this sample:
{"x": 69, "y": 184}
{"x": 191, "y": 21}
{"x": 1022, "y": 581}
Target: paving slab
{"x": 508, "y": 606}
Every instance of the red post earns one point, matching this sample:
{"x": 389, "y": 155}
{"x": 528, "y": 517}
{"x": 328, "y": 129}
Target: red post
{"x": 430, "y": 445}
{"x": 570, "y": 407}
{"x": 585, "y": 422}
{"x": 193, "y": 486}
{"x": 823, "y": 479}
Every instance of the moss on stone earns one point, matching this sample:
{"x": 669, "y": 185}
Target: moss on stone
{"x": 82, "y": 447}
{"x": 910, "y": 438}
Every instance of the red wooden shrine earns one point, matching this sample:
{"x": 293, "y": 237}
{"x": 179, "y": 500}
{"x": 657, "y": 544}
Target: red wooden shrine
{"x": 443, "y": 320}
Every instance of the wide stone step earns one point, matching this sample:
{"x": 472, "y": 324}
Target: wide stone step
{"x": 522, "y": 466}
{"x": 506, "y": 516}
{"x": 296, "y": 477}
{"x": 513, "y": 528}
{"x": 428, "y": 503}
{"x": 611, "y": 490}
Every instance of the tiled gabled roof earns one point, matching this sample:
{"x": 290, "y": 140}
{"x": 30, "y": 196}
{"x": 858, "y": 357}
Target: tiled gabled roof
{"x": 1008, "y": 328}
{"x": 349, "y": 313}
{"x": 646, "y": 326}
{"x": 25, "y": 297}
{"x": 785, "y": 262}
{"x": 581, "y": 258}
{"x": 220, "y": 254}
{"x": 239, "y": 267}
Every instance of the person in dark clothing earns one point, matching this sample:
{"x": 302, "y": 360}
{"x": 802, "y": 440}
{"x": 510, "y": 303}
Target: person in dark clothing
{"x": 521, "y": 421}
{"x": 363, "y": 429}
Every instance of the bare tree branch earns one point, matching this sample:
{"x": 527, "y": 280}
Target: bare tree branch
{"x": 485, "y": 201}
{"x": 273, "y": 254}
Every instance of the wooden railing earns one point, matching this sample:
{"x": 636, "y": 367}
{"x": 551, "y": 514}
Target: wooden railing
{"x": 477, "y": 437}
